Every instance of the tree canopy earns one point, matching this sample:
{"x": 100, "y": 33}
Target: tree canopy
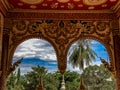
{"x": 94, "y": 77}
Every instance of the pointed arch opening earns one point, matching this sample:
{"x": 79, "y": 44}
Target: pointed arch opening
{"x": 37, "y": 58}
{"x": 36, "y": 52}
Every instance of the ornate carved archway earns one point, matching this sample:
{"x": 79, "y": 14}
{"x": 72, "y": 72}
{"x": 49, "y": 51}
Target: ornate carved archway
{"x": 61, "y": 34}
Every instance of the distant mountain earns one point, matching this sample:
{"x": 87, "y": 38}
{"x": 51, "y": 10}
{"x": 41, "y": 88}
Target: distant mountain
{"x": 27, "y": 64}
{"x": 38, "y": 61}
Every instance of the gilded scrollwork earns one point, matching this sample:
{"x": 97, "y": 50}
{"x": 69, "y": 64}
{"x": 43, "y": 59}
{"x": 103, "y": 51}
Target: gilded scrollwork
{"x": 61, "y": 32}
{"x": 21, "y": 25}
{"x": 102, "y": 28}
{"x": 98, "y": 29}
{"x": 87, "y": 27}
{"x": 61, "y": 29}
{"x": 36, "y": 27}
{"x": 19, "y": 28}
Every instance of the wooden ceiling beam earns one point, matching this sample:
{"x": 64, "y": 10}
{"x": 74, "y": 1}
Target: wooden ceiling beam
{"x": 61, "y": 16}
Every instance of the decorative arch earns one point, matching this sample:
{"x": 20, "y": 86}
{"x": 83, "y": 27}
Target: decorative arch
{"x": 24, "y": 39}
{"x": 109, "y": 51}
{"x": 61, "y": 34}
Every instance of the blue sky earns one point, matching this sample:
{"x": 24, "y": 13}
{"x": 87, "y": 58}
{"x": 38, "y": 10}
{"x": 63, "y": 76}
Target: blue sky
{"x": 40, "y": 52}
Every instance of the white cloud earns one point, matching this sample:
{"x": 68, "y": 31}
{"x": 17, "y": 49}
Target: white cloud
{"x": 35, "y": 48}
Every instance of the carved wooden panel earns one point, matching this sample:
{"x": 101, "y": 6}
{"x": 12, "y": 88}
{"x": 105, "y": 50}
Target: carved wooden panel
{"x": 61, "y": 34}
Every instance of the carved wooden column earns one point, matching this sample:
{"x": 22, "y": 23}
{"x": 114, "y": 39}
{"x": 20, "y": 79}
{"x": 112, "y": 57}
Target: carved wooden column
{"x": 1, "y": 29}
{"x": 5, "y": 44}
{"x": 116, "y": 38}
{"x": 117, "y": 59}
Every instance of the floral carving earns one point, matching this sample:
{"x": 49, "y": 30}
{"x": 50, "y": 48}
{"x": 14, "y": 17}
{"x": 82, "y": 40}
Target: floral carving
{"x": 36, "y": 28}
{"x": 61, "y": 30}
{"x": 101, "y": 26}
{"x": 102, "y": 29}
{"x": 61, "y": 33}
{"x": 20, "y": 25}
{"x": 19, "y": 28}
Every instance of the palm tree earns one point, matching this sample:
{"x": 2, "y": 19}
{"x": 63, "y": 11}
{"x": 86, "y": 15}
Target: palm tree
{"x": 82, "y": 54}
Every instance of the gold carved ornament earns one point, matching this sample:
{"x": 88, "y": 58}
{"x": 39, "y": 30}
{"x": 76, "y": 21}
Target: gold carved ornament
{"x": 61, "y": 32}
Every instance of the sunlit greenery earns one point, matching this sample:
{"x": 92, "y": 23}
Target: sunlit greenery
{"x": 15, "y": 81}
{"x": 95, "y": 78}
{"x": 98, "y": 78}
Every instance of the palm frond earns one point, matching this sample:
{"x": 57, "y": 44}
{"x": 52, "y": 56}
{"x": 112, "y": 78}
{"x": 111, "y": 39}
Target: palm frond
{"x": 83, "y": 54}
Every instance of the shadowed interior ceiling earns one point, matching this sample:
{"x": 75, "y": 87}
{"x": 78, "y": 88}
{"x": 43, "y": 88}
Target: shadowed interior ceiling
{"x": 61, "y": 4}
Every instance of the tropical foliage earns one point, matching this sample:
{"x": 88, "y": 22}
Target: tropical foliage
{"x": 98, "y": 78}
{"x": 95, "y": 78}
{"x": 37, "y": 74}
{"x": 72, "y": 80}
{"x": 15, "y": 81}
